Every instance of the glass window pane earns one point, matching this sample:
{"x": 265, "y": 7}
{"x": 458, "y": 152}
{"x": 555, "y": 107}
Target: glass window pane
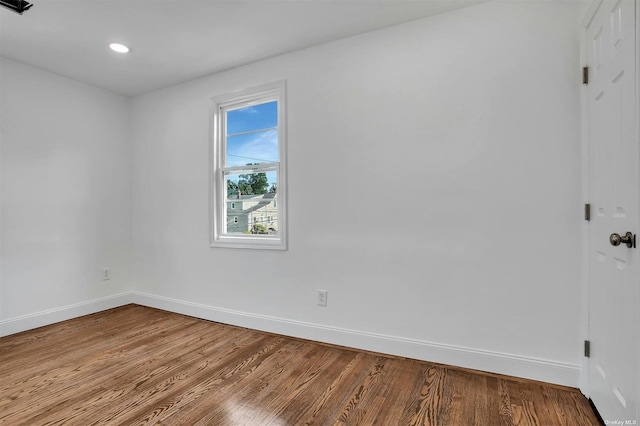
{"x": 252, "y": 148}
{"x": 253, "y": 194}
{"x": 249, "y": 119}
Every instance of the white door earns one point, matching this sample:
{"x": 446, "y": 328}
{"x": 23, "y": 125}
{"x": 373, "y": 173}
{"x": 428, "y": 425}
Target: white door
{"x": 614, "y": 281}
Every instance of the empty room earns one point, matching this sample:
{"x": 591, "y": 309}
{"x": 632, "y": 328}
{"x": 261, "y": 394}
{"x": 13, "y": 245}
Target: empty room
{"x": 290, "y": 212}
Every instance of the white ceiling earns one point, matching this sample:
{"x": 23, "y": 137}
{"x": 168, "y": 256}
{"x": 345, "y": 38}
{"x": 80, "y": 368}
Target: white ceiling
{"x": 173, "y": 41}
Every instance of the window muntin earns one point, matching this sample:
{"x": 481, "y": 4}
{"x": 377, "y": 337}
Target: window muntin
{"x": 247, "y": 169}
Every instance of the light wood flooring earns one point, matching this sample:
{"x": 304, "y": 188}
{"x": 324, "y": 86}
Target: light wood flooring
{"x": 136, "y": 365}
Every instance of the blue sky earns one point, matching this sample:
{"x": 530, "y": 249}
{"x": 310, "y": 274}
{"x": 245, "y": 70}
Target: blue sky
{"x": 259, "y": 146}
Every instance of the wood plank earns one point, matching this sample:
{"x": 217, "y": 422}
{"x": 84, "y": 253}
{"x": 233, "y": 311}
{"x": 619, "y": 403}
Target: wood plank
{"x": 138, "y": 365}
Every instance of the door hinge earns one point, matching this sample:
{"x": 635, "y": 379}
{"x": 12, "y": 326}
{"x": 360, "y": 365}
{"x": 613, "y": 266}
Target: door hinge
{"x": 587, "y": 212}
{"x": 585, "y": 75}
{"x": 587, "y": 349}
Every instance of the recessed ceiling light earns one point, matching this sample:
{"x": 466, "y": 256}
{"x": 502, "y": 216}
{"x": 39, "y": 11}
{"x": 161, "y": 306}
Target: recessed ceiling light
{"x": 120, "y": 48}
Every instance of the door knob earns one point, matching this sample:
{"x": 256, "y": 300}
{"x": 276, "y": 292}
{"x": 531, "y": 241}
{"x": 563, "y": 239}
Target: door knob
{"x": 629, "y": 239}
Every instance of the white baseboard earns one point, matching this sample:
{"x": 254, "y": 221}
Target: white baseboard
{"x": 51, "y": 316}
{"x": 495, "y": 362}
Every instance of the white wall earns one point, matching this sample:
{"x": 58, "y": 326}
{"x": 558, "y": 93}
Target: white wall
{"x": 66, "y": 197}
{"x": 434, "y": 190}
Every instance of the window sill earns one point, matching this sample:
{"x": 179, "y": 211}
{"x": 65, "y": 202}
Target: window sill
{"x": 249, "y": 242}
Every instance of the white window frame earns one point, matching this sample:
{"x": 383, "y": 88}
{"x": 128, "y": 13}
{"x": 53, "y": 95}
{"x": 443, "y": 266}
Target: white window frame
{"x": 218, "y": 191}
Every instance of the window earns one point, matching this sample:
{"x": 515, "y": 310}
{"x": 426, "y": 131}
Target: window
{"x": 248, "y": 167}
{"x": 235, "y": 219}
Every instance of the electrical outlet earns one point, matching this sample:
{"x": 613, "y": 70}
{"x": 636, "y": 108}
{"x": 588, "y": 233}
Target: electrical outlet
{"x": 106, "y": 274}
{"x": 322, "y": 297}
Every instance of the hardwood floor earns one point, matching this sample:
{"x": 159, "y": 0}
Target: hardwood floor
{"x": 138, "y": 365}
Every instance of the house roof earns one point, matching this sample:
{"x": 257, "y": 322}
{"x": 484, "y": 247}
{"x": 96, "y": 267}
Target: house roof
{"x": 262, "y": 201}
